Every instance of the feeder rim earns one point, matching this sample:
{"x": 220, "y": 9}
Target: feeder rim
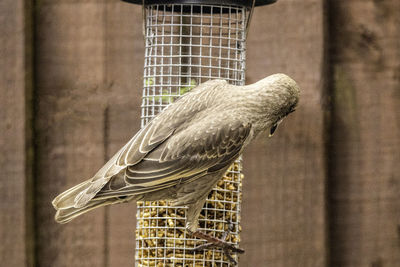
{"x": 247, "y": 3}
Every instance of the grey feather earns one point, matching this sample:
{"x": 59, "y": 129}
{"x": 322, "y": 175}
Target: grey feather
{"x": 183, "y": 152}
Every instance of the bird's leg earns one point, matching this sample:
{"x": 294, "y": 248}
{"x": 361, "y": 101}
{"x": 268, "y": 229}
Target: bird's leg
{"x": 211, "y": 244}
{"x": 230, "y": 228}
{"x": 219, "y": 243}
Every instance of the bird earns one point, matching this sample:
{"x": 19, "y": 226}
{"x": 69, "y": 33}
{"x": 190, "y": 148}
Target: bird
{"x": 182, "y": 153}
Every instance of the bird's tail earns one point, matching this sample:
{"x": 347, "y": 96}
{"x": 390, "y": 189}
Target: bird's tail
{"x": 65, "y": 215}
{"x": 66, "y": 208}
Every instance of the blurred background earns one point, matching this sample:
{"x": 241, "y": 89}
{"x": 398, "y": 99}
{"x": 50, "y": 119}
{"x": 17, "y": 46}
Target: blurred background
{"x": 324, "y": 191}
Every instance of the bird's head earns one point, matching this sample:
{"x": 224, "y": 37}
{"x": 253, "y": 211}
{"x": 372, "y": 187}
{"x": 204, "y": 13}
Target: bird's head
{"x": 278, "y": 95}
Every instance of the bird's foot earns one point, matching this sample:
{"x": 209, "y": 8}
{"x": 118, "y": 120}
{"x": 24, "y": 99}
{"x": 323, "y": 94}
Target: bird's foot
{"x": 214, "y": 242}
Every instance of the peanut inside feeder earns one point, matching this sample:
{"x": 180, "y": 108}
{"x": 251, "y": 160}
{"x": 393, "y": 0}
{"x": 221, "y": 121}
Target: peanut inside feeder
{"x": 161, "y": 236}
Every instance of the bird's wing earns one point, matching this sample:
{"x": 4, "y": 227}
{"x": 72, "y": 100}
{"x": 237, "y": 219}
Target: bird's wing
{"x": 152, "y": 135}
{"x": 189, "y": 154}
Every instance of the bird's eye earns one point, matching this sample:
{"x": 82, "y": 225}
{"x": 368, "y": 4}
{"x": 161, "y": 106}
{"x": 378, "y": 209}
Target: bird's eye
{"x": 272, "y": 130}
{"x": 292, "y": 109}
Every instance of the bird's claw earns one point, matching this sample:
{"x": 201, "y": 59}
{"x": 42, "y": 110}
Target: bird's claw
{"x": 213, "y": 242}
{"x": 229, "y": 256}
{"x": 204, "y": 246}
{"x": 224, "y": 246}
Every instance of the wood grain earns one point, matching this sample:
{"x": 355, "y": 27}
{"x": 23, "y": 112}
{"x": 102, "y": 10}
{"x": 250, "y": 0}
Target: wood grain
{"x": 365, "y": 133}
{"x": 89, "y": 52}
{"x": 15, "y": 88}
{"x": 283, "y": 208}
{"x": 70, "y": 90}
{"x": 124, "y": 56}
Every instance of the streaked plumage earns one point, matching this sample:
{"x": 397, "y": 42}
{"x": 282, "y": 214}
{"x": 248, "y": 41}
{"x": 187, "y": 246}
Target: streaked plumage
{"x": 183, "y": 152}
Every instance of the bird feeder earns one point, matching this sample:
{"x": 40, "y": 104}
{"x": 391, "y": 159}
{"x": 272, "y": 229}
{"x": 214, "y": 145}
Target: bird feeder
{"x": 187, "y": 43}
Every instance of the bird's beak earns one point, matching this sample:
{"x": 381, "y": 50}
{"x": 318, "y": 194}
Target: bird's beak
{"x": 274, "y": 127}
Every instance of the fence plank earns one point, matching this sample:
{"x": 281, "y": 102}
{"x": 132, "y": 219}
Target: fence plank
{"x": 365, "y": 141}
{"x": 14, "y": 94}
{"x": 70, "y": 75}
{"x": 124, "y": 56}
{"x": 283, "y": 206}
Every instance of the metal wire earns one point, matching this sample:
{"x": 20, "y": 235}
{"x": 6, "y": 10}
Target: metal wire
{"x": 187, "y": 45}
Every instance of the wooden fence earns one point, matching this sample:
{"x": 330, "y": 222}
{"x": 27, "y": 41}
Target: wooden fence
{"x": 324, "y": 191}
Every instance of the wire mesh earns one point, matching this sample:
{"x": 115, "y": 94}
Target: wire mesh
{"x": 187, "y": 45}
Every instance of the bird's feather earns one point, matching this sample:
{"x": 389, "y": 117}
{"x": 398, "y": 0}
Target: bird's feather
{"x": 181, "y": 157}
{"x": 184, "y": 150}
{"x": 147, "y": 139}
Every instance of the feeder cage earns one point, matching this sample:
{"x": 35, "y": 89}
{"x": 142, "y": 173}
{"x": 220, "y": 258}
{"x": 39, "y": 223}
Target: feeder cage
{"x": 187, "y": 43}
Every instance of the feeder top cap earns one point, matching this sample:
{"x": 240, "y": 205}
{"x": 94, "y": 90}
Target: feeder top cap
{"x": 248, "y": 3}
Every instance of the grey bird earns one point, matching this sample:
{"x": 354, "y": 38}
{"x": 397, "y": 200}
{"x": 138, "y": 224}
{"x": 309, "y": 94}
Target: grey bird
{"x": 184, "y": 151}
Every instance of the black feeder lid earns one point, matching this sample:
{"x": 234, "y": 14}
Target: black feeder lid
{"x": 247, "y": 3}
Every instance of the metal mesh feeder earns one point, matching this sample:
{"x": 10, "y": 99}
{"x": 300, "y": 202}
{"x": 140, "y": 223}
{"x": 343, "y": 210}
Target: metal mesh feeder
{"x": 188, "y": 43}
